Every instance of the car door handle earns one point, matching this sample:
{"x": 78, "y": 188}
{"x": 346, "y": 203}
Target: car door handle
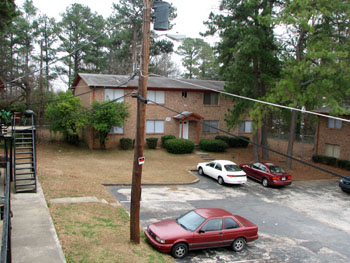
{"x": 221, "y": 233}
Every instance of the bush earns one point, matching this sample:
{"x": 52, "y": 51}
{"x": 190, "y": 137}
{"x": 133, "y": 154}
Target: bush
{"x": 243, "y": 141}
{"x": 223, "y": 138}
{"x": 167, "y": 137}
{"x": 329, "y": 160}
{"x": 152, "y": 142}
{"x": 126, "y": 143}
{"x": 342, "y": 163}
{"x": 317, "y": 158}
{"x": 212, "y": 145}
{"x": 179, "y": 146}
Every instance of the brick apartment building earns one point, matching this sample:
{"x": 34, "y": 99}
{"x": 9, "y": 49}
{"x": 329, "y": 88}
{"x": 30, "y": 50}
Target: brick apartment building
{"x": 333, "y": 136}
{"x": 191, "y": 101}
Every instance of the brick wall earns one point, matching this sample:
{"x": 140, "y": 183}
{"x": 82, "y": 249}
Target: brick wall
{"x": 339, "y": 137}
{"x": 174, "y": 100}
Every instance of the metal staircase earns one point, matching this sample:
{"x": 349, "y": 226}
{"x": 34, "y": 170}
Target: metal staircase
{"x": 24, "y": 146}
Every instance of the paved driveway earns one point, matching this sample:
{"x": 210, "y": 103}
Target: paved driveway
{"x": 304, "y": 222}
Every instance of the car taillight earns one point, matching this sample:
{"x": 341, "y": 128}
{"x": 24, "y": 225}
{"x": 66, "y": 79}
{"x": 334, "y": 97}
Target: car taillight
{"x": 233, "y": 175}
{"x": 289, "y": 177}
{"x": 276, "y": 178}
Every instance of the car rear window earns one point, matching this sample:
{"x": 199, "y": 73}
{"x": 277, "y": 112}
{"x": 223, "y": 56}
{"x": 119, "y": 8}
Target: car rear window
{"x": 232, "y": 168}
{"x": 276, "y": 169}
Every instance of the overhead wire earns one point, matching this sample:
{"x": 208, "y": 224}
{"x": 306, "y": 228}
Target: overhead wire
{"x": 255, "y": 100}
{"x": 249, "y": 141}
{"x": 89, "y": 110}
{"x": 132, "y": 76}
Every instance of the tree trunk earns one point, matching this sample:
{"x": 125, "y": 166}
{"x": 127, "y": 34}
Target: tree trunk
{"x": 264, "y": 142}
{"x": 134, "y": 49}
{"x": 293, "y": 125}
{"x": 256, "y": 157}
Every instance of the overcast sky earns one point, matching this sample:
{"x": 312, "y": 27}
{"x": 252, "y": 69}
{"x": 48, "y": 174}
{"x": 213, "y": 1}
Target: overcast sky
{"x": 189, "y": 22}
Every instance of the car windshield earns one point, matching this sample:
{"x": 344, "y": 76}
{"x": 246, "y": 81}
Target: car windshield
{"x": 190, "y": 221}
{"x": 232, "y": 168}
{"x": 276, "y": 169}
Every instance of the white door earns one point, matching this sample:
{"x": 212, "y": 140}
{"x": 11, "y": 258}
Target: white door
{"x": 184, "y": 130}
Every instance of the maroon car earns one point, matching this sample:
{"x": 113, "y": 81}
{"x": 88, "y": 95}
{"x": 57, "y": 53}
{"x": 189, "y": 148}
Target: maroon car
{"x": 201, "y": 228}
{"x": 267, "y": 174}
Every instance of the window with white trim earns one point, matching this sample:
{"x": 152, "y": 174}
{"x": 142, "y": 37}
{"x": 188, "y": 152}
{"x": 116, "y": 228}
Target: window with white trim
{"x": 332, "y": 150}
{"x": 246, "y": 126}
{"x": 210, "y": 98}
{"x": 334, "y": 124}
{"x": 210, "y": 126}
{"x": 117, "y": 130}
{"x": 156, "y": 96}
{"x": 112, "y": 94}
{"x": 153, "y": 126}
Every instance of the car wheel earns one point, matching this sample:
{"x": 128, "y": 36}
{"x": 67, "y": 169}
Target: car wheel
{"x": 179, "y": 250}
{"x": 239, "y": 244}
{"x": 200, "y": 171}
{"x": 220, "y": 180}
{"x": 264, "y": 182}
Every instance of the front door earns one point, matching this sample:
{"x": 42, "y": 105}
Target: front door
{"x": 183, "y": 130}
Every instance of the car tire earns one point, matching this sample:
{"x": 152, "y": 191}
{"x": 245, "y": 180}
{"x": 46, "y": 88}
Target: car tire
{"x": 200, "y": 171}
{"x": 179, "y": 250}
{"x": 220, "y": 180}
{"x": 265, "y": 183}
{"x": 239, "y": 244}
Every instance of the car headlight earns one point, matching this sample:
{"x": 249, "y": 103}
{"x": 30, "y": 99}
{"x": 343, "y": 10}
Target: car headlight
{"x": 160, "y": 240}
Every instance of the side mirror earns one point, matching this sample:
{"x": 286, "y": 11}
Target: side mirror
{"x": 201, "y": 231}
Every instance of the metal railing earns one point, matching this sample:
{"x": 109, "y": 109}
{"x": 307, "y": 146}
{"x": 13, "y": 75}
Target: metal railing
{"x": 6, "y": 215}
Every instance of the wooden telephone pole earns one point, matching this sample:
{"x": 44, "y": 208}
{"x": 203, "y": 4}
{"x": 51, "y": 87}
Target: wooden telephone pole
{"x": 140, "y": 126}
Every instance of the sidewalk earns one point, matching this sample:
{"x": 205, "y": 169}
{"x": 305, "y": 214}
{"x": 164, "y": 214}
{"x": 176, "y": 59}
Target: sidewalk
{"x": 34, "y": 237}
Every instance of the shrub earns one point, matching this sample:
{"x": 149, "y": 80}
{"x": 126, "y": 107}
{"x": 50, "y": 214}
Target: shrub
{"x": 329, "y": 160}
{"x": 233, "y": 142}
{"x": 243, "y": 141}
{"x": 223, "y": 138}
{"x": 317, "y": 158}
{"x": 342, "y": 163}
{"x": 167, "y": 137}
{"x": 126, "y": 143}
{"x": 212, "y": 145}
{"x": 179, "y": 146}
{"x": 152, "y": 142}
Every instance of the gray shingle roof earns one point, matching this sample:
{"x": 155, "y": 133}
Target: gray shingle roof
{"x": 101, "y": 80}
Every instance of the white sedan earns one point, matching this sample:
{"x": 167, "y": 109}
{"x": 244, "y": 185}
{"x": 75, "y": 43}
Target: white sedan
{"x": 223, "y": 171}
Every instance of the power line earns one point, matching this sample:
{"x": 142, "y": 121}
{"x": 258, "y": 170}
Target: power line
{"x": 256, "y": 144}
{"x": 80, "y": 113}
{"x": 90, "y": 110}
{"x": 132, "y": 76}
{"x": 255, "y": 100}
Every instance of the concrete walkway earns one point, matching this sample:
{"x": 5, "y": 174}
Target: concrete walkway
{"x": 34, "y": 237}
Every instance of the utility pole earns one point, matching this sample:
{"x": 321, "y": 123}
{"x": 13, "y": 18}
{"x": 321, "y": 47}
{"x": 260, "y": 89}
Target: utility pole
{"x": 140, "y": 126}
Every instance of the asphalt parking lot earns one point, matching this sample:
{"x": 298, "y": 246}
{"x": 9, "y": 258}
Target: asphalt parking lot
{"x": 308, "y": 221}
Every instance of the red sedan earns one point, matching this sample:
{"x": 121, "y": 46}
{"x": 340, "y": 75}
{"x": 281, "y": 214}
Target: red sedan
{"x": 201, "y": 228}
{"x": 267, "y": 174}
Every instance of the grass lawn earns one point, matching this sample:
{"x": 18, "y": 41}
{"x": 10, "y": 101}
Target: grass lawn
{"x": 98, "y": 232}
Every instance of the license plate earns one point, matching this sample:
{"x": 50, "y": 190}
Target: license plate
{"x": 283, "y": 178}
